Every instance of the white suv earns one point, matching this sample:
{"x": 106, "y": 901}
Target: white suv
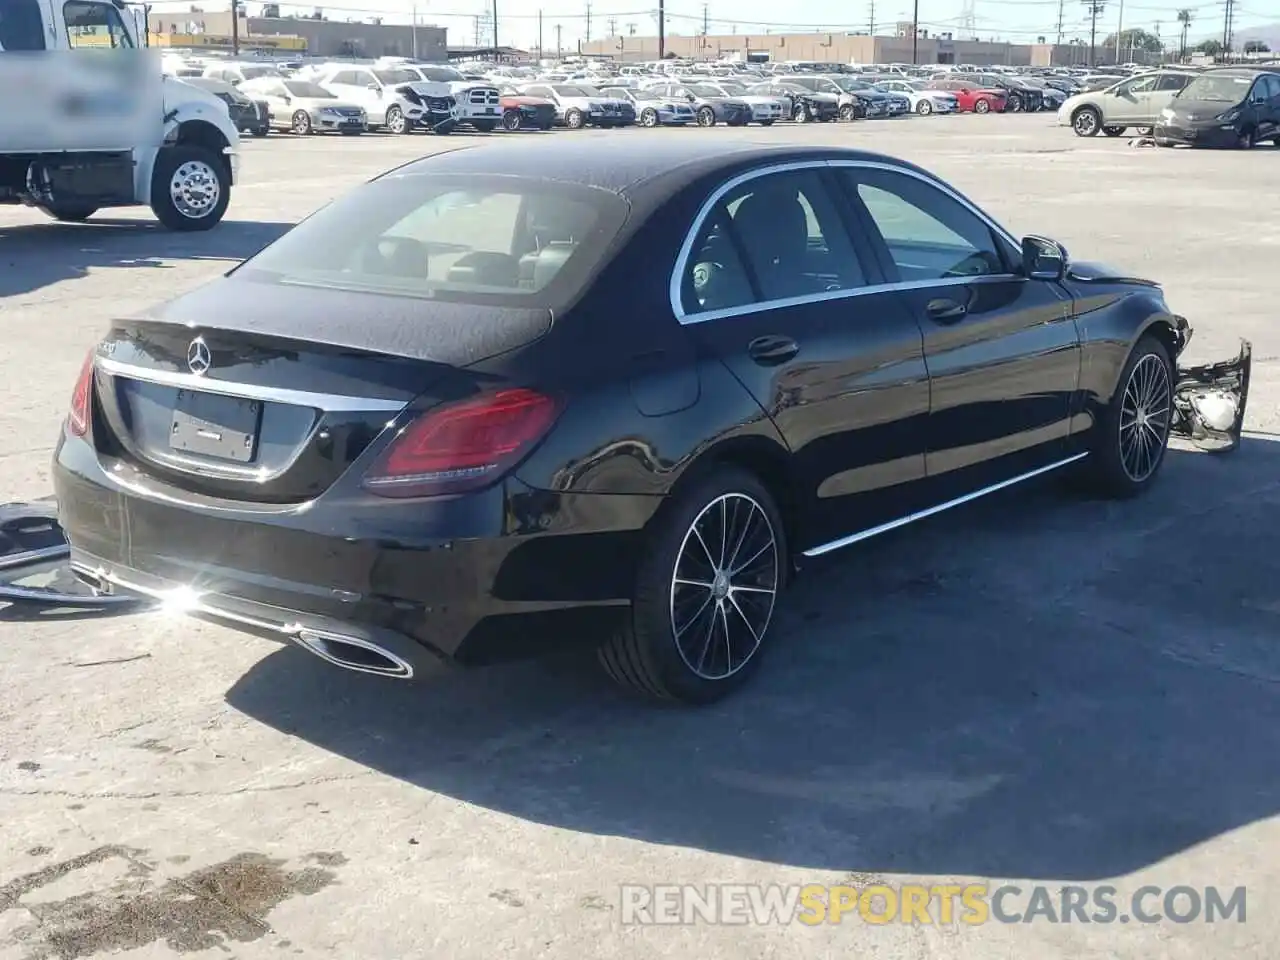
{"x": 374, "y": 89}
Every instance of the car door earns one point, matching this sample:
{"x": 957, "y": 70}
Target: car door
{"x": 1002, "y": 350}
{"x": 1266, "y": 98}
{"x": 1129, "y": 103}
{"x": 279, "y": 108}
{"x": 367, "y": 91}
{"x": 775, "y": 283}
{"x": 1168, "y": 86}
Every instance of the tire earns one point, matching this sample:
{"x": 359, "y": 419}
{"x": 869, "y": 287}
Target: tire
{"x": 706, "y": 117}
{"x": 1086, "y": 122}
{"x": 847, "y": 112}
{"x": 1145, "y": 131}
{"x": 648, "y": 117}
{"x": 648, "y": 655}
{"x": 1013, "y": 105}
{"x": 1147, "y": 380}
{"x": 769, "y": 123}
{"x": 1248, "y": 139}
{"x": 260, "y": 131}
{"x": 397, "y": 122}
{"x": 574, "y": 119}
{"x": 485, "y": 126}
{"x": 190, "y": 187}
{"x": 1113, "y": 131}
{"x": 924, "y": 107}
{"x": 69, "y": 212}
{"x": 800, "y": 114}
{"x": 982, "y": 105}
{"x": 546, "y": 126}
{"x": 301, "y": 123}
{"x": 511, "y": 120}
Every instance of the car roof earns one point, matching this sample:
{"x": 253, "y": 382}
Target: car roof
{"x": 1240, "y": 71}
{"x": 644, "y": 176}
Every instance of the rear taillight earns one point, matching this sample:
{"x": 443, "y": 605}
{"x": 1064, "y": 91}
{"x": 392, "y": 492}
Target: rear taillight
{"x": 463, "y": 446}
{"x": 82, "y": 399}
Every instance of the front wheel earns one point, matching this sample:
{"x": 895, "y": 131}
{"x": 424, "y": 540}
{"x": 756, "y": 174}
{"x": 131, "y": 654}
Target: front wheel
{"x": 801, "y": 114}
{"x": 706, "y": 117}
{"x": 301, "y": 123}
{"x": 575, "y": 119}
{"x": 1132, "y": 433}
{"x": 710, "y": 574}
{"x": 260, "y": 131}
{"x": 924, "y": 108}
{"x": 1247, "y": 140}
{"x": 648, "y": 117}
{"x": 847, "y": 111}
{"x": 397, "y": 122}
{"x": 982, "y": 105}
{"x": 511, "y": 120}
{"x": 1014, "y": 105}
{"x": 190, "y": 187}
{"x": 1086, "y": 122}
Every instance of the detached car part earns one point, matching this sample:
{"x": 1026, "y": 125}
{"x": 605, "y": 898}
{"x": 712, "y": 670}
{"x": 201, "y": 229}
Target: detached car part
{"x": 1209, "y": 402}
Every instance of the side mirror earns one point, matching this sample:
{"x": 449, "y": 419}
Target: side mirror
{"x": 374, "y": 87}
{"x": 1043, "y": 259}
{"x": 287, "y": 100}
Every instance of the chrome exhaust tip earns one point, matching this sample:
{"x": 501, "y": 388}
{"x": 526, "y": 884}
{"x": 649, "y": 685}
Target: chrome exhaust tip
{"x": 354, "y": 653}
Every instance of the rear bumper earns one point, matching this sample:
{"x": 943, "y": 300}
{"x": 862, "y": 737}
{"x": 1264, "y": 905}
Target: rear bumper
{"x": 501, "y": 574}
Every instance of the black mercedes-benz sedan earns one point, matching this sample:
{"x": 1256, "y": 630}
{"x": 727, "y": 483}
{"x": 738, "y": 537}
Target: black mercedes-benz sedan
{"x": 502, "y": 398}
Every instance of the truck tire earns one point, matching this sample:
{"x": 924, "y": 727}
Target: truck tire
{"x": 190, "y": 187}
{"x": 69, "y": 213}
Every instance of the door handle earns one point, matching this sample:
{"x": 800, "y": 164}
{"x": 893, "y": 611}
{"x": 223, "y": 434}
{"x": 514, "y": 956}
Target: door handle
{"x": 770, "y": 350}
{"x": 946, "y": 310}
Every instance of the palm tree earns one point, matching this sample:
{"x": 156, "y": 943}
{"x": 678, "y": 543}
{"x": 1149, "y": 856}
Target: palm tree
{"x": 1184, "y": 18}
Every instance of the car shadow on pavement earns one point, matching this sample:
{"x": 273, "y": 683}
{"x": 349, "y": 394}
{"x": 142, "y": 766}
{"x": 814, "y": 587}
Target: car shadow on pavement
{"x": 1036, "y": 686}
{"x": 34, "y": 256}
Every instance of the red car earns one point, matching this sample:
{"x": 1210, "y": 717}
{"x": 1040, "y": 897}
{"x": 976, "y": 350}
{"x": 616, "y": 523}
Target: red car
{"x": 525, "y": 113}
{"x": 971, "y": 98}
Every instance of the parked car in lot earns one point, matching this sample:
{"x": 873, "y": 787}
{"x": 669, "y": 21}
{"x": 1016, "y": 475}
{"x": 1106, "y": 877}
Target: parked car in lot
{"x": 303, "y": 107}
{"x": 920, "y": 98}
{"x": 579, "y": 106}
{"x": 478, "y": 101}
{"x": 376, "y": 90}
{"x": 1020, "y": 96}
{"x": 971, "y": 96}
{"x": 521, "y": 112}
{"x": 803, "y": 104}
{"x": 253, "y": 116}
{"x": 1230, "y": 107}
{"x": 709, "y": 105}
{"x": 765, "y": 110}
{"x": 1134, "y": 102}
{"x": 423, "y": 424}
{"x": 653, "y": 109}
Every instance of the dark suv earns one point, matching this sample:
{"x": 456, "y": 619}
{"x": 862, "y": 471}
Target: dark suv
{"x": 1225, "y": 107}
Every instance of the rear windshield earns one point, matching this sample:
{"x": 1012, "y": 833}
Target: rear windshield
{"x": 498, "y": 240}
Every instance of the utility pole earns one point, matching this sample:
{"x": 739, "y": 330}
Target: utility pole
{"x": 415, "y": 31}
{"x": 559, "y": 46}
{"x": 588, "y": 31}
{"x": 1062, "y": 16}
{"x": 915, "y": 33}
{"x": 1226, "y": 29}
{"x": 662, "y": 29}
{"x": 539, "y": 34}
{"x": 613, "y": 26}
{"x": 235, "y": 27}
{"x": 1095, "y": 8}
{"x": 706, "y": 7}
{"x": 495, "y": 30}
{"x": 1119, "y": 31}
{"x": 871, "y": 26}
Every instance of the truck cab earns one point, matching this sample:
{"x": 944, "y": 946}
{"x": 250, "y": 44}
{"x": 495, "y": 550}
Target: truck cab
{"x": 89, "y": 120}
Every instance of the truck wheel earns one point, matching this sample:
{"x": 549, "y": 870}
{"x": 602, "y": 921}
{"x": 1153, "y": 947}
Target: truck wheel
{"x": 69, "y": 213}
{"x": 190, "y": 187}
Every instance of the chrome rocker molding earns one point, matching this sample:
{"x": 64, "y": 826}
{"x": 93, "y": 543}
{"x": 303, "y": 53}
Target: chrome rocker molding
{"x": 325, "y": 644}
{"x": 676, "y": 289}
{"x": 930, "y": 511}
{"x": 301, "y": 398}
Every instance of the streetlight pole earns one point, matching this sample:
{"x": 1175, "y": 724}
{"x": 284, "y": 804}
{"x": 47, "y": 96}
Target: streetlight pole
{"x": 915, "y": 33}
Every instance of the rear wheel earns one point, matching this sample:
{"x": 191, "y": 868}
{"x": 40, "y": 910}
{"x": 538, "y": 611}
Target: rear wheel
{"x": 924, "y": 107}
{"x": 705, "y": 592}
{"x": 1013, "y": 105}
{"x": 648, "y": 117}
{"x": 574, "y": 119}
{"x": 1113, "y": 131}
{"x": 801, "y": 113}
{"x": 706, "y": 117}
{"x": 510, "y": 119}
{"x": 69, "y": 212}
{"x": 769, "y": 123}
{"x": 1132, "y": 433}
{"x": 301, "y": 124}
{"x": 847, "y": 112}
{"x": 982, "y": 105}
{"x": 485, "y": 126}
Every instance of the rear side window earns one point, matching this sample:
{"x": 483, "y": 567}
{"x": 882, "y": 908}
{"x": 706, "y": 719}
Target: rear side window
{"x": 1172, "y": 81}
{"x": 486, "y": 240}
{"x": 21, "y": 26}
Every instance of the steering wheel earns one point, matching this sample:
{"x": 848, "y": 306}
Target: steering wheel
{"x": 704, "y": 275}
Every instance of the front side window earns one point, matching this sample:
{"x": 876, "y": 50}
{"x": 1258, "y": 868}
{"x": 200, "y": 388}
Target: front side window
{"x": 773, "y": 238}
{"x": 91, "y": 24}
{"x": 21, "y": 26}
{"x": 929, "y": 235}
{"x": 1172, "y": 81}
{"x": 486, "y": 240}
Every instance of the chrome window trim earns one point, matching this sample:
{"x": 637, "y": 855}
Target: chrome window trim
{"x": 938, "y": 508}
{"x": 329, "y": 402}
{"x": 686, "y": 248}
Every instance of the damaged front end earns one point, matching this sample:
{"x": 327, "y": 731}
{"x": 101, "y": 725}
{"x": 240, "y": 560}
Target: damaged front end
{"x": 1209, "y": 401}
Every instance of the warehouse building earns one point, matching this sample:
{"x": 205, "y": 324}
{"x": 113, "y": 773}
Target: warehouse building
{"x": 320, "y": 38}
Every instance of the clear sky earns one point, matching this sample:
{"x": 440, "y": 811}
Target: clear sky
{"x": 1012, "y": 20}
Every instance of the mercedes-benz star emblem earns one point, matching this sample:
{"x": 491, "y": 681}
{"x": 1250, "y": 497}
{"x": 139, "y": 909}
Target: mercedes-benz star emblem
{"x": 198, "y": 357}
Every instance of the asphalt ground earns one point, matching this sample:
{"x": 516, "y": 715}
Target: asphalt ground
{"x": 1036, "y": 688}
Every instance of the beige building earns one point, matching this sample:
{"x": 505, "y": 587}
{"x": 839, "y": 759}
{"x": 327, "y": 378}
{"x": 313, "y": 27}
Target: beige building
{"x": 321, "y": 38}
{"x": 849, "y": 48}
